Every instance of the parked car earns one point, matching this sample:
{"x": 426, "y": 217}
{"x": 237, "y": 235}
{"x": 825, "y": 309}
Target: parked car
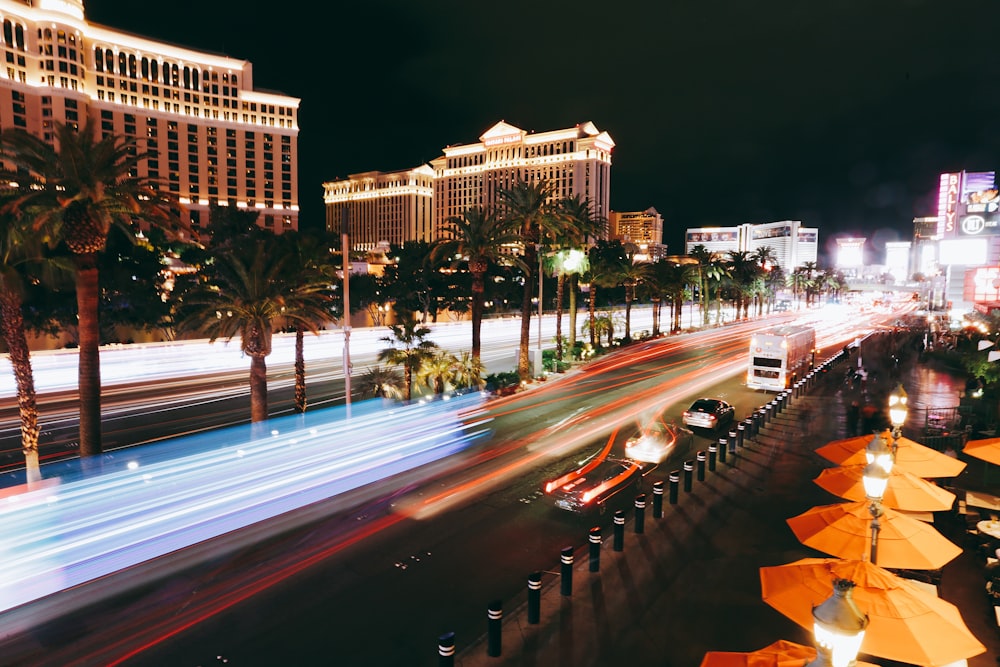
{"x": 592, "y": 487}
{"x": 655, "y": 442}
{"x": 709, "y": 413}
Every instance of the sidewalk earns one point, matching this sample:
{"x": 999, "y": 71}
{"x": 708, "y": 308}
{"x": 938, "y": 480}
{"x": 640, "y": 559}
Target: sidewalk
{"x": 690, "y": 582}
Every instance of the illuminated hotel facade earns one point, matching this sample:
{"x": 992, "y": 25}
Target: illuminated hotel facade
{"x": 792, "y": 244}
{"x": 211, "y": 138}
{"x": 642, "y": 229}
{"x": 576, "y": 161}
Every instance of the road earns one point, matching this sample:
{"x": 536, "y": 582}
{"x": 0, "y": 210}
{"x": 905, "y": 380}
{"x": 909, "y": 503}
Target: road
{"x": 376, "y": 582}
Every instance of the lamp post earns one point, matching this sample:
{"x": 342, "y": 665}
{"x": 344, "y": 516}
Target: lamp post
{"x": 838, "y": 627}
{"x": 875, "y": 479}
{"x": 897, "y": 414}
{"x": 878, "y": 452}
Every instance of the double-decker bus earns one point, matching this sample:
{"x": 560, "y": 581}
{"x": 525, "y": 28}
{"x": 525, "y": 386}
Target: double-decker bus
{"x": 779, "y": 354}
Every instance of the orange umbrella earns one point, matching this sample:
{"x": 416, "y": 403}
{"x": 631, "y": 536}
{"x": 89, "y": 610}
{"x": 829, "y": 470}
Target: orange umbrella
{"x": 911, "y": 456}
{"x": 844, "y": 530}
{"x": 903, "y": 492}
{"x": 988, "y": 450}
{"x": 905, "y": 623}
{"x": 781, "y": 653}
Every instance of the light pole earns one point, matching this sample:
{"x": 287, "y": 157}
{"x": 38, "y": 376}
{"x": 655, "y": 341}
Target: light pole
{"x": 875, "y": 479}
{"x": 878, "y": 452}
{"x": 838, "y": 628}
{"x": 897, "y": 414}
{"x": 345, "y": 249}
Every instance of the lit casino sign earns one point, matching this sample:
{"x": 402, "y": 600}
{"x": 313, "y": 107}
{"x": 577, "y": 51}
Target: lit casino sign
{"x": 973, "y": 224}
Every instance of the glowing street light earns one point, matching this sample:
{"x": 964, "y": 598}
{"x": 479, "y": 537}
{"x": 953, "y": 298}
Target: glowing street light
{"x": 838, "y": 627}
{"x": 897, "y": 413}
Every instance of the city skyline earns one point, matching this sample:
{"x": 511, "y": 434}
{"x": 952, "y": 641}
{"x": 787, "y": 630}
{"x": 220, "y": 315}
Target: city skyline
{"x": 841, "y": 117}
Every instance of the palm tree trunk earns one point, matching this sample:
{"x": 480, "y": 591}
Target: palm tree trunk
{"x": 560, "y": 287}
{"x": 258, "y": 388}
{"x": 477, "y": 314}
{"x": 89, "y": 382}
{"x": 300, "y": 370}
{"x": 572, "y": 312}
{"x": 12, "y": 323}
{"x": 593, "y": 313}
{"x": 656, "y": 316}
{"x": 628, "y": 313}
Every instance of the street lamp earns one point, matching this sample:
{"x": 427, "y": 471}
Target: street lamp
{"x": 879, "y": 453}
{"x": 838, "y": 627}
{"x": 875, "y": 479}
{"x": 897, "y": 413}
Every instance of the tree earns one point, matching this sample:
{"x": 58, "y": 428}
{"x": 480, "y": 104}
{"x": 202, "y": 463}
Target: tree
{"x": 604, "y": 256}
{"x": 629, "y": 274}
{"x": 582, "y": 225}
{"x": 529, "y": 209}
{"x": 409, "y": 350}
{"x": 704, "y": 258}
{"x": 74, "y": 193}
{"x": 438, "y": 371}
{"x": 310, "y": 276}
{"x": 478, "y": 238}
{"x": 468, "y": 372}
{"x": 412, "y": 280}
{"x": 381, "y": 382}
{"x": 244, "y": 292}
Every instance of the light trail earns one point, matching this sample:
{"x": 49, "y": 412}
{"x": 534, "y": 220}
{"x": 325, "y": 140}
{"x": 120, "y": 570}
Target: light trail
{"x": 152, "y": 501}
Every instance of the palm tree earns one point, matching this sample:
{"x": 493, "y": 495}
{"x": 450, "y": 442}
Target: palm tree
{"x": 75, "y": 193}
{"x": 381, "y": 382}
{"x": 630, "y": 274}
{"x": 704, "y": 257}
{"x": 468, "y": 372}
{"x": 311, "y": 276}
{"x": 767, "y": 259}
{"x": 529, "y": 209}
{"x": 671, "y": 278}
{"x": 409, "y": 350}
{"x": 603, "y": 256}
{"x": 438, "y": 371}
{"x": 479, "y": 236}
{"x": 581, "y": 225}
{"x": 244, "y": 292}
{"x": 744, "y": 271}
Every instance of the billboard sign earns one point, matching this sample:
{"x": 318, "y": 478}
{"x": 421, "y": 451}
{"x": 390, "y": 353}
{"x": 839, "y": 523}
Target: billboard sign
{"x": 949, "y": 188}
{"x": 710, "y": 236}
{"x": 968, "y": 204}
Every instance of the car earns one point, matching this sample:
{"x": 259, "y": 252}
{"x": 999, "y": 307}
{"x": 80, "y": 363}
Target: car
{"x": 655, "y": 442}
{"x": 782, "y": 306}
{"x": 709, "y": 413}
{"x": 594, "y": 486}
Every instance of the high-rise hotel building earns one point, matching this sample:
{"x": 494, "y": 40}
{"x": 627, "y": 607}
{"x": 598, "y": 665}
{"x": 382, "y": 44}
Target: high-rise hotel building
{"x": 211, "y": 137}
{"x": 575, "y": 161}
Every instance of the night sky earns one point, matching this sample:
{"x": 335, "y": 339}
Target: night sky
{"x": 838, "y": 114}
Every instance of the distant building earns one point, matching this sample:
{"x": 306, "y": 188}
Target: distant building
{"x": 575, "y": 160}
{"x": 382, "y": 208}
{"x": 212, "y": 138}
{"x": 793, "y": 245}
{"x": 642, "y": 229}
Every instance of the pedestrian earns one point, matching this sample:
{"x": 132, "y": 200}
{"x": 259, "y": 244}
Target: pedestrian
{"x": 868, "y": 415}
{"x": 853, "y": 414}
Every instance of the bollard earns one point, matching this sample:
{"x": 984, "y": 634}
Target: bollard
{"x": 741, "y": 434}
{"x": 595, "y": 549}
{"x": 732, "y": 440}
{"x": 640, "y": 514}
{"x": 446, "y": 650}
{"x": 761, "y": 420}
{"x": 534, "y": 598}
{"x": 722, "y": 450}
{"x": 712, "y": 456}
{"x": 566, "y": 571}
{"x": 688, "y": 472}
{"x": 619, "y": 535}
{"x": 494, "y": 629}
{"x": 675, "y": 482}
{"x": 658, "y": 499}
{"x": 700, "y": 456}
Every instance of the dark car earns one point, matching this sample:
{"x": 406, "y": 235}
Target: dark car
{"x": 592, "y": 487}
{"x": 709, "y": 413}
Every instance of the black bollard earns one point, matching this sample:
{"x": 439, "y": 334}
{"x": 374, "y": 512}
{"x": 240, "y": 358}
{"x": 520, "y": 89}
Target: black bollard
{"x": 732, "y": 440}
{"x": 700, "y": 456}
{"x": 446, "y": 650}
{"x": 595, "y": 549}
{"x": 675, "y": 482}
{"x": 494, "y": 629}
{"x": 658, "y": 499}
{"x": 566, "y": 571}
{"x": 688, "y": 473}
{"x": 713, "y": 454}
{"x": 761, "y": 420}
{"x": 534, "y": 598}
{"x": 722, "y": 450}
{"x": 640, "y": 514}
{"x": 619, "y": 535}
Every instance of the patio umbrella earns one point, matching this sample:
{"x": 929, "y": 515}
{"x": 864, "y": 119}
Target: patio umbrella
{"x": 911, "y": 457}
{"x": 988, "y": 450}
{"x": 781, "y": 653}
{"x": 905, "y": 623}
{"x": 844, "y": 530}
{"x": 903, "y": 492}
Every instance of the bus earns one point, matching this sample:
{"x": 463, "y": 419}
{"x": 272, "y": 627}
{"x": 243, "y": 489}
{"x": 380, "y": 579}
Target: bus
{"x": 779, "y": 355}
